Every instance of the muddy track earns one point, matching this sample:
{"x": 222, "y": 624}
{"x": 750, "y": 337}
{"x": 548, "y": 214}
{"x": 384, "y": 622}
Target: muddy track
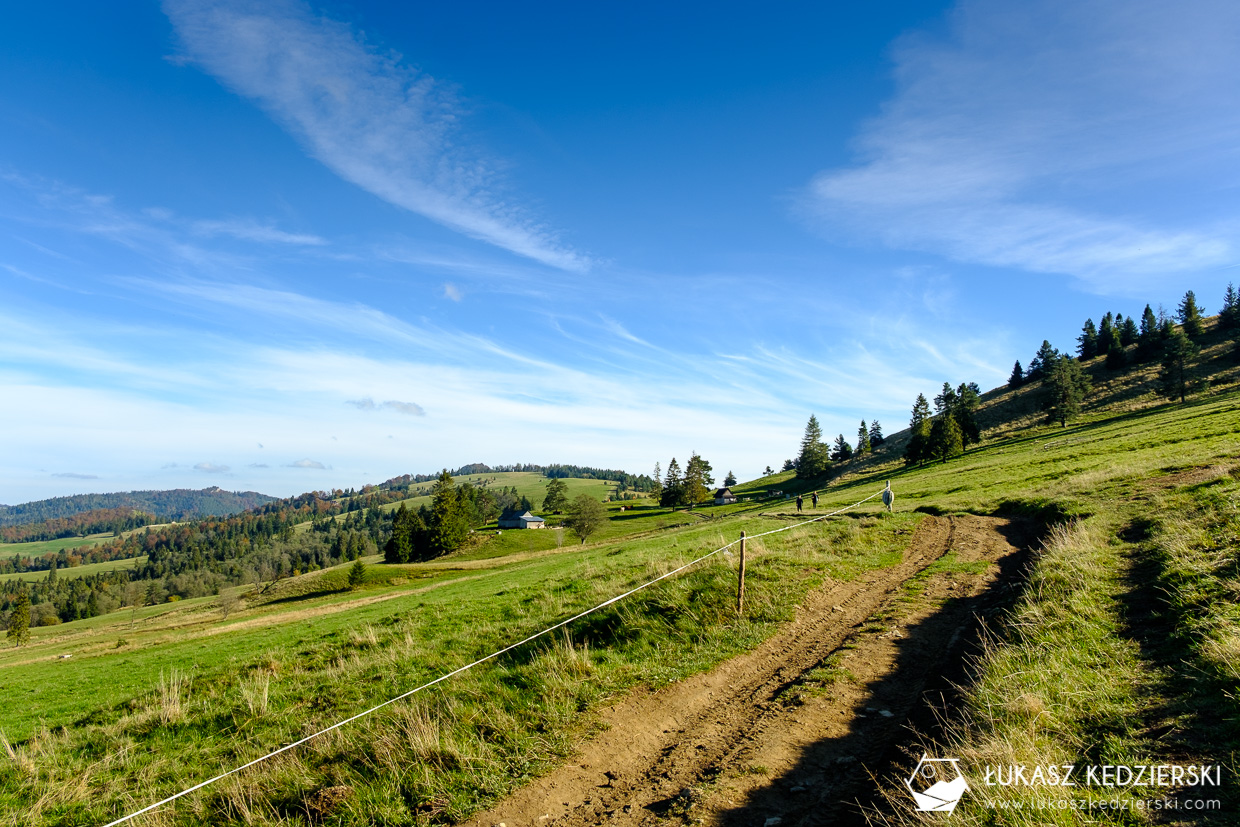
{"x": 751, "y": 740}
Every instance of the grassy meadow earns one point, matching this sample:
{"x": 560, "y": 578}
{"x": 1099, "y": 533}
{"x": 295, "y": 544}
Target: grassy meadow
{"x": 153, "y": 701}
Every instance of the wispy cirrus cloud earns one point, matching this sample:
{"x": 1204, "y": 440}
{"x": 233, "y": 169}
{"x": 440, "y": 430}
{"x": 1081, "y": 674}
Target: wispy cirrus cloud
{"x": 251, "y": 230}
{"x": 1063, "y": 137}
{"x": 69, "y": 475}
{"x": 369, "y": 117}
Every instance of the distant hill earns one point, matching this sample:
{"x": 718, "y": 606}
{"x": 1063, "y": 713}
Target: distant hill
{"x": 176, "y": 504}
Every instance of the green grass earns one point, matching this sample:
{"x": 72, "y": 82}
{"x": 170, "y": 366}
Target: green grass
{"x": 40, "y": 547}
{"x": 315, "y": 652}
{"x": 78, "y": 571}
{"x": 493, "y": 726}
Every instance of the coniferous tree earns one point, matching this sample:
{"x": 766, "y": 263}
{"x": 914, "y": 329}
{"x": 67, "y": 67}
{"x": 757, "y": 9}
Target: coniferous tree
{"x": 789, "y": 465}
{"x": 1175, "y": 378}
{"x": 19, "y": 620}
{"x": 945, "y": 400}
{"x": 842, "y": 450}
{"x": 1065, "y": 387}
{"x": 876, "y": 435}
{"x": 729, "y": 480}
{"x": 1105, "y": 330}
{"x": 1189, "y": 315}
{"x": 1087, "y": 342}
{"x": 814, "y": 457}
{"x": 448, "y": 526}
{"x": 918, "y": 449}
{"x": 556, "y": 499}
{"x": 357, "y": 575}
{"x": 964, "y": 411}
{"x": 769, "y": 470}
{"x": 1128, "y": 334}
{"x": 1018, "y": 376}
{"x": 863, "y": 439}
{"x": 673, "y": 486}
{"x": 945, "y": 438}
{"x": 1045, "y": 355}
{"x": 1148, "y": 339}
{"x": 1229, "y": 316}
{"x": 656, "y": 490}
{"x": 697, "y": 480}
{"x": 1116, "y": 357}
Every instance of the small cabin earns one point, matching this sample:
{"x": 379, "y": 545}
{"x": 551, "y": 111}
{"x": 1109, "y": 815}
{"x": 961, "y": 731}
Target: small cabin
{"x": 515, "y": 520}
{"x": 724, "y": 496}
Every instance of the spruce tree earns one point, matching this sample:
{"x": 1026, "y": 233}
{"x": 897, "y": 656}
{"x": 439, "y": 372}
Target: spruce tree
{"x": 1128, "y": 334}
{"x": 945, "y": 401}
{"x": 673, "y": 486}
{"x": 876, "y": 435}
{"x": 1044, "y": 357}
{"x": 1175, "y": 378}
{"x": 1116, "y": 357}
{"x": 1018, "y": 376}
{"x": 1087, "y": 342}
{"x": 813, "y": 459}
{"x": 729, "y": 480}
{"x": 1148, "y": 339}
{"x": 945, "y": 438}
{"x": 863, "y": 439}
{"x": 1229, "y": 316}
{"x": 918, "y": 449}
{"x": 964, "y": 411}
{"x": 448, "y": 526}
{"x": 1066, "y": 386}
{"x": 357, "y": 575}
{"x": 697, "y": 480}
{"x": 1105, "y": 331}
{"x": 19, "y": 620}
{"x": 842, "y": 450}
{"x": 1189, "y": 315}
{"x": 656, "y": 488}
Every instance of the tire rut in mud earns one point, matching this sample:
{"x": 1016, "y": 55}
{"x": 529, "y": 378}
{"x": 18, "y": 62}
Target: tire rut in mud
{"x": 751, "y": 739}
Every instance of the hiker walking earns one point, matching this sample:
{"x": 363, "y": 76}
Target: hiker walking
{"x": 799, "y": 503}
{"x": 813, "y": 498}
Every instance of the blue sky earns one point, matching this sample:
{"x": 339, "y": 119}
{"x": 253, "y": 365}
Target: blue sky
{"x": 285, "y": 247}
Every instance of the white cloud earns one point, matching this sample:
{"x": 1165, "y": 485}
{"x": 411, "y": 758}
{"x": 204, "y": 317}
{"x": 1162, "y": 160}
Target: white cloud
{"x": 451, "y": 291}
{"x": 212, "y": 468}
{"x": 406, "y": 408}
{"x": 308, "y": 463}
{"x": 69, "y": 475}
{"x": 250, "y": 230}
{"x": 367, "y": 116}
{"x": 1093, "y": 138}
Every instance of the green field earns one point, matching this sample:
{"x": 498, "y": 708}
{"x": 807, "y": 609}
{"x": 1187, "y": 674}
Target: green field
{"x": 315, "y": 652}
{"x": 41, "y": 547}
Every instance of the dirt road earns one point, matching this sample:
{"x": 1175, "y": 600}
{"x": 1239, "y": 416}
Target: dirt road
{"x": 764, "y": 736}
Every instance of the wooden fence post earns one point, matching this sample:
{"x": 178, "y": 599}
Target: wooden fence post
{"x": 740, "y": 583}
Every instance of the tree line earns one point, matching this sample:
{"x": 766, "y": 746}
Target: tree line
{"x": 98, "y": 521}
{"x": 690, "y": 486}
{"x": 815, "y": 457}
{"x": 175, "y": 504}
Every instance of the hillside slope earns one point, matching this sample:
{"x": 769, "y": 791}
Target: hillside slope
{"x": 175, "y": 504}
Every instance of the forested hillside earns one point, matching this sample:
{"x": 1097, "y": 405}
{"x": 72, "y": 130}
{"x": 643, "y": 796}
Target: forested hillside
{"x": 176, "y": 504}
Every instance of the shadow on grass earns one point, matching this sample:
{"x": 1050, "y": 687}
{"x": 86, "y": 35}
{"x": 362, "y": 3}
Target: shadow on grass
{"x": 834, "y": 779}
{"x": 1193, "y": 720}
